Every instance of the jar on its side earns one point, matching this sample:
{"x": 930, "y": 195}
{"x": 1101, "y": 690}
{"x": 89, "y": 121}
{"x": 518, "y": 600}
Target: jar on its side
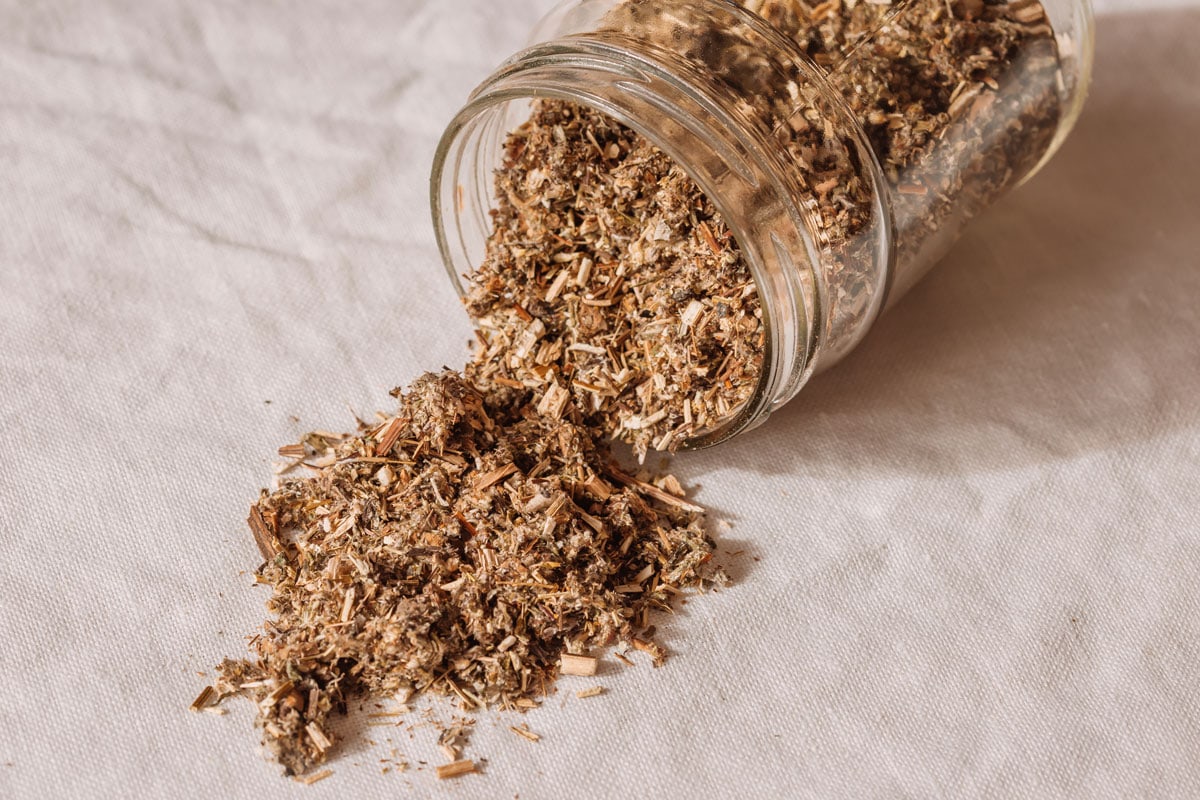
{"x": 845, "y": 147}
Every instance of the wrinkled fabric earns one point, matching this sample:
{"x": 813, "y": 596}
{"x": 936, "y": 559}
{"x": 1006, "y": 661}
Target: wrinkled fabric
{"x": 966, "y": 561}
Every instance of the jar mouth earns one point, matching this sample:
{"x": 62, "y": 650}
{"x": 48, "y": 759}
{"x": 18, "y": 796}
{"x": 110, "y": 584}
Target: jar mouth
{"x": 695, "y": 132}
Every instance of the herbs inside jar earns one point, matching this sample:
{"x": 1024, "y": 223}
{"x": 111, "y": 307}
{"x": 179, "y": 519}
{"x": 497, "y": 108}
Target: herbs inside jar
{"x": 678, "y": 212}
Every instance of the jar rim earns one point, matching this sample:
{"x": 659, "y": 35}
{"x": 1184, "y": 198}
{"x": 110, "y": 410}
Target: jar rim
{"x": 537, "y": 73}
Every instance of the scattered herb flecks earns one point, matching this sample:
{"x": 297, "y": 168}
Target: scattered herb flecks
{"x": 459, "y": 548}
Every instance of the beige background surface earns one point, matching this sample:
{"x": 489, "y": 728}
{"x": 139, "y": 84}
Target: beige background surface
{"x": 972, "y": 565}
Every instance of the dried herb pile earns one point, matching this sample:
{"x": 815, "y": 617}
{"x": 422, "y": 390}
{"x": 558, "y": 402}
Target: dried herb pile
{"x": 460, "y": 548}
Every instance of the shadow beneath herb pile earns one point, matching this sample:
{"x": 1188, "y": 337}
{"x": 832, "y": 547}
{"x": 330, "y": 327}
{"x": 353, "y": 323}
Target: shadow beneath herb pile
{"x": 1062, "y": 324}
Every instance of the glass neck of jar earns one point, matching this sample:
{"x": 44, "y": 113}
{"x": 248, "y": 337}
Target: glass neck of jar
{"x": 698, "y": 122}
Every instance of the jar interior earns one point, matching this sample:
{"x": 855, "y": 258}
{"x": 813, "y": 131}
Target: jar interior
{"x": 696, "y": 114}
{"x": 836, "y": 194}
{"x": 465, "y": 198}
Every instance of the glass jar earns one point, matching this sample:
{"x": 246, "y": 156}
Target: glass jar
{"x": 846, "y": 144}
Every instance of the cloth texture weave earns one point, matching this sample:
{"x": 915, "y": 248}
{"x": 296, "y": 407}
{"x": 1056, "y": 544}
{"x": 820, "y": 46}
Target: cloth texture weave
{"x": 969, "y": 556}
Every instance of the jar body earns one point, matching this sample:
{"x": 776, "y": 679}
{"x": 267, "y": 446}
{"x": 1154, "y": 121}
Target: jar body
{"x": 846, "y": 147}
{"x": 960, "y": 101}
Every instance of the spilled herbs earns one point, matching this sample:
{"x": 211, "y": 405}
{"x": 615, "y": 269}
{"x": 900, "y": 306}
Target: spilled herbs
{"x": 464, "y": 547}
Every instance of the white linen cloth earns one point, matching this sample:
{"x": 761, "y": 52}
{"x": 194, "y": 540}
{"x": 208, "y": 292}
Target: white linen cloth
{"x": 971, "y": 558}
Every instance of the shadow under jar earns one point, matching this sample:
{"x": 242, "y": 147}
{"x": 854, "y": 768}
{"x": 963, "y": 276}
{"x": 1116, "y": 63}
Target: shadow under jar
{"x": 845, "y": 143}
